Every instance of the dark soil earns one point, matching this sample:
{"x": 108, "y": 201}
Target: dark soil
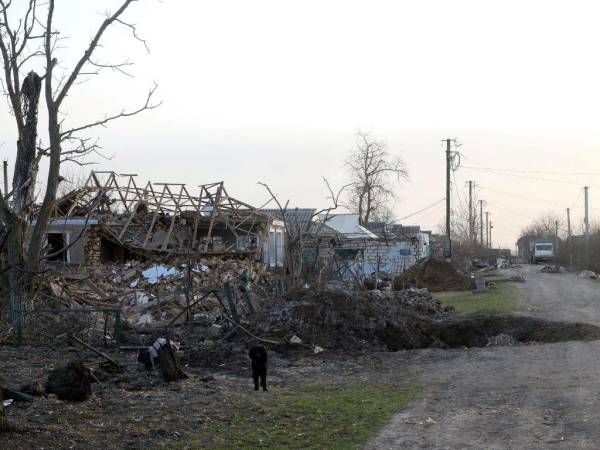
{"x": 137, "y": 410}
{"x": 477, "y": 330}
{"x": 435, "y": 275}
{"x": 336, "y": 319}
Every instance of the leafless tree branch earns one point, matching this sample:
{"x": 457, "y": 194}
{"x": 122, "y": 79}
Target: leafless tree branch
{"x": 146, "y": 106}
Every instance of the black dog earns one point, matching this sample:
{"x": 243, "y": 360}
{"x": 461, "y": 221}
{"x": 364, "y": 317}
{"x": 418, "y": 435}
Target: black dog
{"x": 258, "y": 355}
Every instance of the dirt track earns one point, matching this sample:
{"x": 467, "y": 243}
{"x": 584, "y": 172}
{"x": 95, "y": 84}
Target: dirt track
{"x": 522, "y": 397}
{"x": 560, "y": 296}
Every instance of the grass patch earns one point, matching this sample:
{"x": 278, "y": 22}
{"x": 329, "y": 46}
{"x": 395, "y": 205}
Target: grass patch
{"x": 502, "y": 300}
{"x": 307, "y": 417}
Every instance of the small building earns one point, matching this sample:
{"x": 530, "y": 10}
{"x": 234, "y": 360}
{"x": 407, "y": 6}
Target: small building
{"x": 368, "y": 253}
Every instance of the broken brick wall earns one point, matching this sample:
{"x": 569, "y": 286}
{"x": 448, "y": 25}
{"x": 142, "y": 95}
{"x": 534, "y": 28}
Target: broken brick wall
{"x": 93, "y": 246}
{"x": 390, "y": 257}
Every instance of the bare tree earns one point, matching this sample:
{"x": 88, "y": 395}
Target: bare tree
{"x": 373, "y": 172}
{"x": 71, "y": 179}
{"x": 544, "y": 226}
{"x": 296, "y": 237}
{"x": 29, "y": 40}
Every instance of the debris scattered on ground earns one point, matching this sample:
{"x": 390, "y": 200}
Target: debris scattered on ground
{"x": 295, "y": 340}
{"x": 155, "y": 273}
{"x": 434, "y": 275}
{"x": 553, "y": 269}
{"x": 16, "y": 395}
{"x": 154, "y": 294}
{"x": 501, "y": 339}
{"x": 502, "y": 263}
{"x": 34, "y": 389}
{"x": 517, "y": 278}
{"x": 588, "y": 274}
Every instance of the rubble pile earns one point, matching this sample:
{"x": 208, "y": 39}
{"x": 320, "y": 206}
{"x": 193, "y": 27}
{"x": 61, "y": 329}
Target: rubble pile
{"x": 420, "y": 300}
{"x": 588, "y": 274}
{"x": 552, "y": 269}
{"x": 434, "y": 275}
{"x": 351, "y": 320}
{"x": 149, "y": 293}
{"x": 501, "y": 340}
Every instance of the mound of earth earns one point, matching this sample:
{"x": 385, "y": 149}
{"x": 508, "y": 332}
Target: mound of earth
{"x": 345, "y": 320}
{"x": 373, "y": 320}
{"x": 435, "y": 275}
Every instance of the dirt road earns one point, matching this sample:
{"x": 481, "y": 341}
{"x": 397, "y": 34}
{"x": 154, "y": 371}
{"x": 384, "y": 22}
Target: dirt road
{"x": 521, "y": 397}
{"x": 560, "y": 296}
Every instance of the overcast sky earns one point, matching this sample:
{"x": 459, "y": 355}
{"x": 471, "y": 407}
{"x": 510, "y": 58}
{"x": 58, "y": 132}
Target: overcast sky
{"x": 274, "y": 91}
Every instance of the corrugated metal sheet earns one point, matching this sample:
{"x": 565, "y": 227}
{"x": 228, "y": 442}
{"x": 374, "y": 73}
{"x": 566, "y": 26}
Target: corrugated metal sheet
{"x": 347, "y": 224}
{"x": 297, "y": 219}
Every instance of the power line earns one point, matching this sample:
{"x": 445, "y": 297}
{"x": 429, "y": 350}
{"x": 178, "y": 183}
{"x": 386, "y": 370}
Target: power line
{"x": 419, "y": 211}
{"x": 532, "y": 171}
{"x": 456, "y": 191}
{"x": 574, "y": 205}
{"x": 434, "y": 216}
{"x": 522, "y": 197}
{"x": 495, "y": 172}
{"x": 534, "y": 199}
{"x": 509, "y": 211}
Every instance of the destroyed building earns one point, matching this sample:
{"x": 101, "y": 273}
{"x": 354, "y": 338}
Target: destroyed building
{"x": 337, "y": 244}
{"x": 372, "y": 253}
{"x": 111, "y": 220}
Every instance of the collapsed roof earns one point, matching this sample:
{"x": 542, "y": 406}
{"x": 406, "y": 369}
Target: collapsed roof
{"x": 165, "y": 217}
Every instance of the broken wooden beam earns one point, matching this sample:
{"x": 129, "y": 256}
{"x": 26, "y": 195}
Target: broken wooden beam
{"x": 97, "y": 352}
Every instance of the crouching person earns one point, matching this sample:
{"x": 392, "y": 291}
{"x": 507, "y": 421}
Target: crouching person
{"x": 149, "y": 357}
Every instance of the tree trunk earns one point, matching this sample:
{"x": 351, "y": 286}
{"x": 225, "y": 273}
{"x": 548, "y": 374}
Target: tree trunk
{"x": 19, "y": 272}
{"x": 368, "y": 209}
{"x": 19, "y": 279}
{"x": 26, "y": 164}
{"x": 360, "y": 209}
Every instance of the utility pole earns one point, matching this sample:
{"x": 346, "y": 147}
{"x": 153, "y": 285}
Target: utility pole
{"x": 449, "y": 157}
{"x": 490, "y": 243}
{"x": 569, "y": 236}
{"x": 487, "y": 229}
{"x": 470, "y": 211}
{"x": 586, "y": 220}
{"x": 556, "y": 236}
{"x": 481, "y": 220}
